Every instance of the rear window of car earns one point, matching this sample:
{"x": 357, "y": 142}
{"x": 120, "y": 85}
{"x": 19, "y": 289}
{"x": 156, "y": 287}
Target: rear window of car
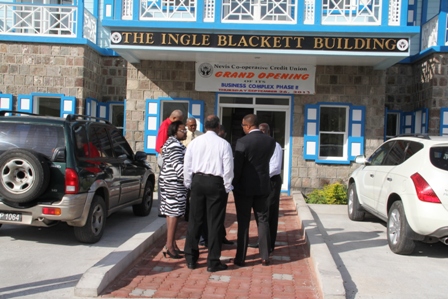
{"x": 439, "y": 157}
{"x": 40, "y": 138}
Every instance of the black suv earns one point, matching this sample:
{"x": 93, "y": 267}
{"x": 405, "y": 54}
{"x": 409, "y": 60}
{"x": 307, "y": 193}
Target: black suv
{"x": 76, "y": 170}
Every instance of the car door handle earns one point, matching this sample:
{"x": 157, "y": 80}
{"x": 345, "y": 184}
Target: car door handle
{"x": 389, "y": 179}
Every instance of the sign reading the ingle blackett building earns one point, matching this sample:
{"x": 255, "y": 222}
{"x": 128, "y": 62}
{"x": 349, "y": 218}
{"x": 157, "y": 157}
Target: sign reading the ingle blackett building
{"x": 252, "y": 78}
{"x": 271, "y": 42}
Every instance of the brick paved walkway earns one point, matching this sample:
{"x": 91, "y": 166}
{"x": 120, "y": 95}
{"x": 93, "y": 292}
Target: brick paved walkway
{"x": 290, "y": 274}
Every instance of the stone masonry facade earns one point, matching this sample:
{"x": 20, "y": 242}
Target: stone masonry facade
{"x": 79, "y": 71}
{"x": 356, "y": 85}
{"x": 63, "y": 69}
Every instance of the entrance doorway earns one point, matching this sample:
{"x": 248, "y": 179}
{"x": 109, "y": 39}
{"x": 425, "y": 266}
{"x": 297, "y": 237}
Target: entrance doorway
{"x": 273, "y": 111}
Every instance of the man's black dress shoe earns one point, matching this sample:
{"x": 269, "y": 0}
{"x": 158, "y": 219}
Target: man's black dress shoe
{"x": 227, "y": 242}
{"x": 265, "y": 262}
{"x": 191, "y": 266}
{"x": 220, "y": 267}
{"x": 253, "y": 245}
{"x": 238, "y": 263}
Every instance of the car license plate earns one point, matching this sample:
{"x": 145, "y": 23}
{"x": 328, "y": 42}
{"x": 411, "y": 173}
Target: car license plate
{"x": 7, "y": 216}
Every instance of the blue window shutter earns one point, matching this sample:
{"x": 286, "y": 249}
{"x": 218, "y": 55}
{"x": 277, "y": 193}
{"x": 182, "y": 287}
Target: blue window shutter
{"x": 91, "y": 107}
{"x": 197, "y": 111}
{"x": 103, "y": 110}
{"x": 311, "y": 136}
{"x": 356, "y": 135}
{"x": 5, "y": 101}
{"x": 68, "y": 106}
{"x": 124, "y": 118}
{"x": 25, "y": 103}
{"x": 152, "y": 121}
{"x": 443, "y": 121}
{"x": 424, "y": 120}
{"x": 407, "y": 123}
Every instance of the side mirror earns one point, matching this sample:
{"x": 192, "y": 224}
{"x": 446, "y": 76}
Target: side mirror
{"x": 360, "y": 159}
{"x": 140, "y": 156}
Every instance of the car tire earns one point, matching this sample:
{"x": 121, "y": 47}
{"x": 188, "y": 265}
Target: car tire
{"x": 144, "y": 208}
{"x": 398, "y": 230}
{"x": 24, "y": 175}
{"x": 355, "y": 211}
{"x": 93, "y": 230}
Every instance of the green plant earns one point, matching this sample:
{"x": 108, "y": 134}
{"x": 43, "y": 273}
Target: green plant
{"x": 333, "y": 194}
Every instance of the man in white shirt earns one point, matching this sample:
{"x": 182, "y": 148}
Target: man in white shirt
{"x": 192, "y": 133}
{"x": 208, "y": 172}
{"x": 273, "y": 200}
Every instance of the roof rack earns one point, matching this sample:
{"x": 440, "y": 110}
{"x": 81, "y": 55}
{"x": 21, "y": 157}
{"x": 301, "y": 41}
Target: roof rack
{"x": 74, "y": 117}
{"x": 418, "y": 135}
{"x": 14, "y": 112}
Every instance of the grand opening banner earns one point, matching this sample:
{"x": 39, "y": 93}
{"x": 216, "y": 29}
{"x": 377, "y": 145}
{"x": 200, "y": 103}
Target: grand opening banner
{"x": 254, "y": 78}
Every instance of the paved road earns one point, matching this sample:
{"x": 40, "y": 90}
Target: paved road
{"x": 370, "y": 270}
{"x": 48, "y": 262}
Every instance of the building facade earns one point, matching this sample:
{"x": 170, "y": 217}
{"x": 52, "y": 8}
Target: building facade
{"x": 333, "y": 79}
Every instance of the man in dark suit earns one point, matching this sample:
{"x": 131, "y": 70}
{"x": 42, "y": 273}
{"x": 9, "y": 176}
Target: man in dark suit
{"x": 252, "y": 186}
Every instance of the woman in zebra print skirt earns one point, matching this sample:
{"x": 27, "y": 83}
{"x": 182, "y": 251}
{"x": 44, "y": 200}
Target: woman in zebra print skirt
{"x": 173, "y": 193}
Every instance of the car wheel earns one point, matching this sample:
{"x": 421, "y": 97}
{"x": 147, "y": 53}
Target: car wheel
{"x": 93, "y": 230}
{"x": 398, "y": 230}
{"x": 144, "y": 208}
{"x": 355, "y": 211}
{"x": 24, "y": 175}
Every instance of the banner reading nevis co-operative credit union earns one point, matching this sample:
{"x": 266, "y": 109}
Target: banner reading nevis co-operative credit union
{"x": 254, "y": 78}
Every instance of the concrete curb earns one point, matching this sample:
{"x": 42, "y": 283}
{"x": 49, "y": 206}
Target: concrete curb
{"x": 98, "y": 277}
{"x": 331, "y": 282}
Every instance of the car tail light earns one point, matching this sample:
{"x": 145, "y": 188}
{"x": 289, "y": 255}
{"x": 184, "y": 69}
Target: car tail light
{"x": 71, "y": 181}
{"x": 51, "y": 211}
{"x": 424, "y": 191}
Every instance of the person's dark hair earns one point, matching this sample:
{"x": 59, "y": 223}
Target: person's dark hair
{"x": 252, "y": 120}
{"x": 211, "y": 122}
{"x": 174, "y": 126}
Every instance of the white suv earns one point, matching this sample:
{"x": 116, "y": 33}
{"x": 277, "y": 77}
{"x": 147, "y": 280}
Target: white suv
{"x": 404, "y": 182}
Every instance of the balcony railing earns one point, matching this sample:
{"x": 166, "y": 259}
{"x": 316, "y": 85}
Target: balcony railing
{"x": 326, "y": 12}
{"x": 44, "y": 20}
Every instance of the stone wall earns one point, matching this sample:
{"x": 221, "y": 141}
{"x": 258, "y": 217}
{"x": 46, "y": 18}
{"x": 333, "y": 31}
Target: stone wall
{"x": 421, "y": 85}
{"x": 431, "y": 87}
{"x": 154, "y": 79}
{"x": 71, "y": 70}
{"x": 28, "y": 68}
{"x": 357, "y": 85}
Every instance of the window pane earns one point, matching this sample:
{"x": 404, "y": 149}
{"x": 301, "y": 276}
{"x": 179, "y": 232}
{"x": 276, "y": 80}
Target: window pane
{"x": 272, "y": 101}
{"x": 121, "y": 147}
{"x": 392, "y": 124}
{"x": 378, "y": 156}
{"x": 333, "y": 119}
{"x": 236, "y": 100}
{"x": 170, "y": 106}
{"x": 396, "y": 153}
{"x": 439, "y": 157}
{"x": 117, "y": 115}
{"x": 49, "y": 106}
{"x": 100, "y": 141}
{"x": 331, "y": 145}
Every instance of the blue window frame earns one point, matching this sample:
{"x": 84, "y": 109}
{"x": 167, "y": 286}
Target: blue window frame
{"x": 156, "y": 110}
{"x": 334, "y": 133}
